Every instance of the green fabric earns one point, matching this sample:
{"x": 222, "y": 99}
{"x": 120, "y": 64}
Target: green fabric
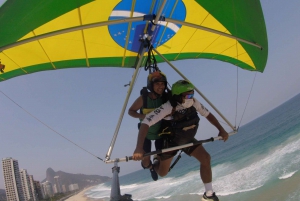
{"x": 17, "y": 17}
{"x": 248, "y": 23}
{"x": 154, "y": 129}
{"x": 242, "y": 18}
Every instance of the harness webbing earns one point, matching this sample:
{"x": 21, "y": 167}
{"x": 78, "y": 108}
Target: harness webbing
{"x": 177, "y": 159}
{"x": 144, "y": 93}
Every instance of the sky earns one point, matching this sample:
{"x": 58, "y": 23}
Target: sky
{"x": 84, "y": 105}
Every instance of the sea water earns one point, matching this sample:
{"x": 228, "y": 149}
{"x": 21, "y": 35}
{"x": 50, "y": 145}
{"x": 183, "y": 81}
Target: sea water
{"x": 261, "y": 162}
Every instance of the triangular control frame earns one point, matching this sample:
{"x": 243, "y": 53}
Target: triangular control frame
{"x": 115, "y": 186}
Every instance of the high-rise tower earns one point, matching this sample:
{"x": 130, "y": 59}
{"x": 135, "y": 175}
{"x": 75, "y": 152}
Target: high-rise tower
{"x": 12, "y": 179}
{"x": 26, "y": 185}
{"x": 58, "y": 184}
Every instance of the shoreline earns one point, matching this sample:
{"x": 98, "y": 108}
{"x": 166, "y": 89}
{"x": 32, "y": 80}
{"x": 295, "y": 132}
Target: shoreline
{"x": 80, "y": 196}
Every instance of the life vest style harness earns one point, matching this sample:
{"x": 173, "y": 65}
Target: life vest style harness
{"x": 183, "y": 125}
{"x": 145, "y": 110}
{"x": 181, "y": 129}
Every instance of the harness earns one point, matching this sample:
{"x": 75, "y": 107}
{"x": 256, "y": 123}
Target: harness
{"x": 145, "y": 108}
{"x": 182, "y": 124}
{"x": 144, "y": 93}
{"x": 181, "y": 129}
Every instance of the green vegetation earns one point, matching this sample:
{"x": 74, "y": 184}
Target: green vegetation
{"x": 59, "y": 196}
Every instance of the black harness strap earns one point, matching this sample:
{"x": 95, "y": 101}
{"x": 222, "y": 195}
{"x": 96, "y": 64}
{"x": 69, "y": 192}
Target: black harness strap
{"x": 177, "y": 159}
{"x": 151, "y": 63}
{"x": 144, "y": 94}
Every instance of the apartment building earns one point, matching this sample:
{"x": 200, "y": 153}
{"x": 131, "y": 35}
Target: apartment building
{"x": 12, "y": 180}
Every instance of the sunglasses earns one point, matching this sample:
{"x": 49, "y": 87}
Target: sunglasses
{"x": 188, "y": 96}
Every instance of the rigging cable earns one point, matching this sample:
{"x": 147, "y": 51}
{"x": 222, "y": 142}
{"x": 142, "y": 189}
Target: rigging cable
{"x": 237, "y": 94}
{"x": 248, "y": 99}
{"x": 50, "y": 127}
{"x": 237, "y": 68}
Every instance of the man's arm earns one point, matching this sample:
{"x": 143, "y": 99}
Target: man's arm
{"x": 132, "y": 111}
{"x": 213, "y": 120}
{"x": 139, "y": 151}
{"x": 150, "y": 119}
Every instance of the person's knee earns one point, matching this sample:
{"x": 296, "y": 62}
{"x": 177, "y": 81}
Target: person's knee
{"x": 163, "y": 170}
{"x": 205, "y": 159}
{"x": 163, "y": 173}
{"x": 202, "y": 156}
{"x": 146, "y": 163}
{"x": 147, "y": 158}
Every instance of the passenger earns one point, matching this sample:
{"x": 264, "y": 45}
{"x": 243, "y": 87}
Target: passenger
{"x": 147, "y": 102}
{"x": 183, "y": 125}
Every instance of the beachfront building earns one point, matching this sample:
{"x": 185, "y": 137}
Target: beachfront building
{"x": 47, "y": 187}
{"x": 64, "y": 189}
{"x": 39, "y": 190}
{"x": 58, "y": 184}
{"x": 73, "y": 187}
{"x": 54, "y": 189}
{"x": 12, "y": 180}
{"x": 26, "y": 185}
{"x": 33, "y": 188}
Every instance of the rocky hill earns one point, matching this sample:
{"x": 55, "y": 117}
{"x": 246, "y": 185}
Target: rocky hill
{"x": 81, "y": 179}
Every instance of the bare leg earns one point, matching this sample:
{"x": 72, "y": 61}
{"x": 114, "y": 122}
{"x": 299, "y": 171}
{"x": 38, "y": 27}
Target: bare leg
{"x": 162, "y": 167}
{"x": 146, "y": 162}
{"x": 204, "y": 158}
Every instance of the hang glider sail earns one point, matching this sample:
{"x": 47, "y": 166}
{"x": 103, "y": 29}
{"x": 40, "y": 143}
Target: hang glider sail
{"x": 38, "y": 36}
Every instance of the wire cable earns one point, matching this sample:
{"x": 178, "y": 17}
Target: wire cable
{"x": 50, "y": 127}
{"x": 248, "y": 99}
{"x": 237, "y": 94}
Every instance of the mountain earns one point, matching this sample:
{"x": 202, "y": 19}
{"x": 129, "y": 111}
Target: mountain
{"x": 81, "y": 179}
{"x": 2, "y": 195}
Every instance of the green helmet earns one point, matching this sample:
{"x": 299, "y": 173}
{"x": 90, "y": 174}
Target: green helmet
{"x": 181, "y": 86}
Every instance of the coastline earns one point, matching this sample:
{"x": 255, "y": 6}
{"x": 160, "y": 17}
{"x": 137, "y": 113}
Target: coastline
{"x": 80, "y": 196}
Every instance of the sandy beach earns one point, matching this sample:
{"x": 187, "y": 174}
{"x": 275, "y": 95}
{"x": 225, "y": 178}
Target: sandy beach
{"x": 80, "y": 196}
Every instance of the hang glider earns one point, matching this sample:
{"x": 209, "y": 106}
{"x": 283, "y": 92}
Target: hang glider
{"x": 38, "y": 36}
{"x": 54, "y": 34}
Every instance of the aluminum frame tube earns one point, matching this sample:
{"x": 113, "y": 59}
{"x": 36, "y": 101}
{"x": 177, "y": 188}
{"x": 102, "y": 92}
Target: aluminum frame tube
{"x": 128, "y": 158}
{"x": 213, "y": 31}
{"x": 68, "y": 30}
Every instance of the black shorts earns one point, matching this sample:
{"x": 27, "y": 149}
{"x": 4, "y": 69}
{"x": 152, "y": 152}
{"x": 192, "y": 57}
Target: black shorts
{"x": 170, "y": 154}
{"x": 158, "y": 144}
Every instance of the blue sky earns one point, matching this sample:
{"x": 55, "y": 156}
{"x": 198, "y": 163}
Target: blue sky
{"x": 84, "y": 104}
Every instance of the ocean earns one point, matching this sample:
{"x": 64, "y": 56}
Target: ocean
{"x": 261, "y": 162}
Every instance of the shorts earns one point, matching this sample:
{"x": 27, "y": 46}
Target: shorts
{"x": 170, "y": 154}
{"x": 158, "y": 144}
